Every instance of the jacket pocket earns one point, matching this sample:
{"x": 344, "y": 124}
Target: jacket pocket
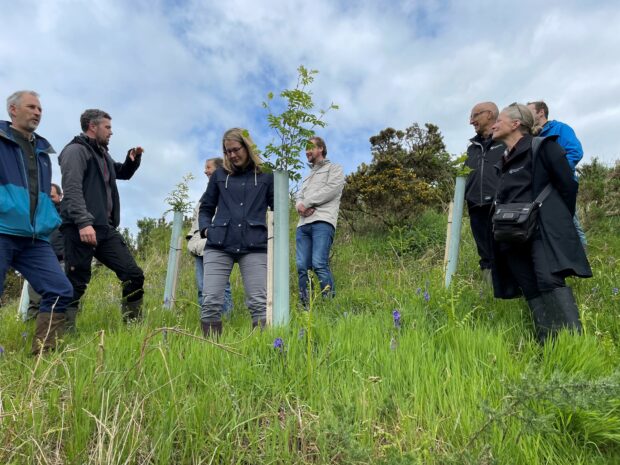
{"x": 217, "y": 231}
{"x": 256, "y": 234}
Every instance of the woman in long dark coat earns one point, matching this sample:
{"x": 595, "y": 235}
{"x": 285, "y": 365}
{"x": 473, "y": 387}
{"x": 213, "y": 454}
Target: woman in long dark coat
{"x": 537, "y": 268}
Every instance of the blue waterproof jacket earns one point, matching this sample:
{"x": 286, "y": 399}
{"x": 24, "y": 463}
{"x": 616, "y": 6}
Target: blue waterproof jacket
{"x": 566, "y": 138}
{"x": 14, "y": 195}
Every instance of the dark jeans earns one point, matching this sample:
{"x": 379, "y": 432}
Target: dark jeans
{"x": 530, "y": 268}
{"x": 36, "y": 261}
{"x": 313, "y": 243}
{"x": 110, "y": 250}
{"x": 481, "y": 228}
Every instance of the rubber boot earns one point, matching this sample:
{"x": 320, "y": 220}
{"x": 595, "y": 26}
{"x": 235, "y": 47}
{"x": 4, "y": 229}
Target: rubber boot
{"x": 70, "y": 318}
{"x": 49, "y": 327}
{"x": 260, "y": 323}
{"x": 132, "y": 311}
{"x": 542, "y": 322}
{"x": 211, "y": 329}
{"x": 560, "y": 302}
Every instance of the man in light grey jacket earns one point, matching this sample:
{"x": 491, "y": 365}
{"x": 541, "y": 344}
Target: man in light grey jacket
{"x": 318, "y": 203}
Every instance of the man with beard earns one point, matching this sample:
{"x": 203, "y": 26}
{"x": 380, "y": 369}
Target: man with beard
{"x": 90, "y": 213}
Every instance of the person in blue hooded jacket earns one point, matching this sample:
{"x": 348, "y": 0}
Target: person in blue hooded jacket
{"x": 232, "y": 217}
{"x": 543, "y": 127}
{"x": 28, "y": 216}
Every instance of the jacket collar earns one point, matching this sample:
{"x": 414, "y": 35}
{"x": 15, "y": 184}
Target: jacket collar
{"x": 42, "y": 145}
{"x": 324, "y": 162}
{"x": 523, "y": 145}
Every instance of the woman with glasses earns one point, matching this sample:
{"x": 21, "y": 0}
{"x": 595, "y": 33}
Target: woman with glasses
{"x": 538, "y": 267}
{"x": 233, "y": 219}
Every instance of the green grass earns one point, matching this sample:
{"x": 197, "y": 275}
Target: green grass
{"x": 461, "y": 382}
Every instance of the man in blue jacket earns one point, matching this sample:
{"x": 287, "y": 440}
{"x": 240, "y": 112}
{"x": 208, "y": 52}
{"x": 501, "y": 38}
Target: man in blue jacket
{"x": 566, "y": 138}
{"x": 28, "y": 216}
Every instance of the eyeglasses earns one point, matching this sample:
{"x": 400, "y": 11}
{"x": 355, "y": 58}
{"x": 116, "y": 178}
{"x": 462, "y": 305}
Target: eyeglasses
{"x": 475, "y": 115}
{"x": 231, "y": 151}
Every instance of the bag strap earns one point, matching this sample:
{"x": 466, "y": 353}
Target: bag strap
{"x": 543, "y": 195}
{"x": 536, "y": 144}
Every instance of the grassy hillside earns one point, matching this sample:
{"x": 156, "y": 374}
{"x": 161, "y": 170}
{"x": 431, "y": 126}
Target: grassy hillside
{"x": 461, "y": 381}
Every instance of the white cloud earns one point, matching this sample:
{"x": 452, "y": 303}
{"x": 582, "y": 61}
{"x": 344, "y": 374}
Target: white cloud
{"x": 176, "y": 74}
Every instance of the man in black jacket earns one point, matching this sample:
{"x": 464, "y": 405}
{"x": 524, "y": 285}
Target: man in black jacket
{"x": 482, "y": 155}
{"x": 90, "y": 212}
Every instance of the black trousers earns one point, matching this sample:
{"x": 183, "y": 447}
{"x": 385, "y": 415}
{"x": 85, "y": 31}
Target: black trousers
{"x": 112, "y": 251}
{"x": 481, "y": 228}
{"x": 530, "y": 267}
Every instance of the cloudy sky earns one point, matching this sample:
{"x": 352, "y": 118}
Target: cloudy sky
{"x": 175, "y": 74}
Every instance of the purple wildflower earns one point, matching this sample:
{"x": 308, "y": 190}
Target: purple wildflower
{"x": 396, "y": 316}
{"x": 418, "y": 290}
{"x": 614, "y": 291}
{"x": 427, "y": 296}
{"x": 1, "y": 351}
{"x": 278, "y": 343}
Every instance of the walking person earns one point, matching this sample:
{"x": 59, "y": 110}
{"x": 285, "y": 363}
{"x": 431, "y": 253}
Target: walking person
{"x": 28, "y": 216}
{"x": 90, "y": 212}
{"x": 196, "y": 245}
{"x": 538, "y": 267}
{"x": 318, "y": 204}
{"x": 233, "y": 219}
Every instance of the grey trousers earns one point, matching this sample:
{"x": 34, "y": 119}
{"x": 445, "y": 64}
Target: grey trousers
{"x": 218, "y": 265}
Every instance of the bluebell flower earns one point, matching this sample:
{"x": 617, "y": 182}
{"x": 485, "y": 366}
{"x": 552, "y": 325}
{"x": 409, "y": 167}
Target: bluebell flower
{"x": 418, "y": 290}
{"x": 278, "y": 343}
{"x": 427, "y": 296}
{"x": 396, "y": 316}
{"x": 1, "y": 351}
{"x": 614, "y": 291}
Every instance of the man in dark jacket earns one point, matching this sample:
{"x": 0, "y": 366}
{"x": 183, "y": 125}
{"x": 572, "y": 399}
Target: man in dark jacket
{"x": 482, "y": 155}
{"x": 90, "y": 213}
{"x": 57, "y": 242}
{"x": 27, "y": 215}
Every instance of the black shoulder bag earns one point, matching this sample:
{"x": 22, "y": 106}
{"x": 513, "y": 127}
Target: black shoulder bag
{"x": 516, "y": 222}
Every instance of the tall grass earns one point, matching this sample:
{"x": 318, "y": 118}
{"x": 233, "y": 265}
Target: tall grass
{"x": 461, "y": 381}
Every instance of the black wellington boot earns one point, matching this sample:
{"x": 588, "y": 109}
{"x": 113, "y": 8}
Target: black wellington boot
{"x": 211, "y": 329}
{"x": 542, "y": 322}
{"x": 562, "y": 304}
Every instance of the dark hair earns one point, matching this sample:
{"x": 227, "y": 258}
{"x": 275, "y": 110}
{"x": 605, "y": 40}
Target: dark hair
{"x": 320, "y": 143}
{"x": 92, "y": 116}
{"x": 540, "y": 105}
{"x": 58, "y": 189}
{"x": 217, "y": 161}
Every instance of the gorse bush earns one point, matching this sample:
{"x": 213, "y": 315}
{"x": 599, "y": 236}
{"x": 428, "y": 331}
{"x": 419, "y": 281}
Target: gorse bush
{"x": 410, "y": 172}
{"x": 599, "y": 191}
